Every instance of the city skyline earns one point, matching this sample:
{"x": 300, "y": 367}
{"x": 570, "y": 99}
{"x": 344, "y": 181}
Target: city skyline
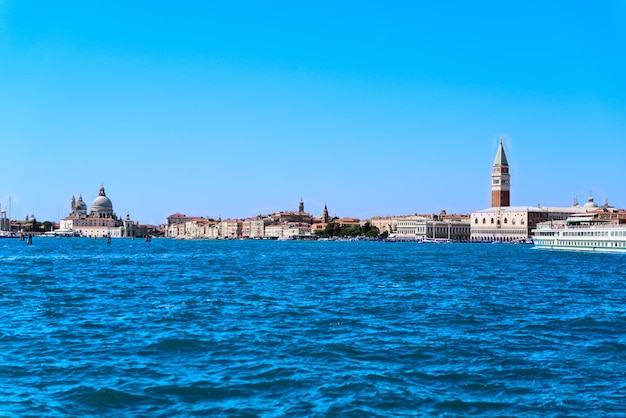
{"x": 237, "y": 110}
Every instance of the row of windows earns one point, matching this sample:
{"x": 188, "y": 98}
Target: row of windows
{"x": 438, "y": 232}
{"x": 594, "y": 233}
{"x": 506, "y": 221}
{"x": 586, "y": 233}
{"x": 589, "y": 244}
{"x": 512, "y": 232}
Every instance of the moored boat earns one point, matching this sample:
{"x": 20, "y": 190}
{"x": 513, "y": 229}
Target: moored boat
{"x": 59, "y": 233}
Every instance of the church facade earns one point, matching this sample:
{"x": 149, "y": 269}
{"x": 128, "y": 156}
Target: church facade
{"x": 99, "y": 221}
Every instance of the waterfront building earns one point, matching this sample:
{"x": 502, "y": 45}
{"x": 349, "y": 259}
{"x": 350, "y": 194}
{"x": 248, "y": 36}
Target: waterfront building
{"x": 181, "y": 226}
{"x": 193, "y": 228}
{"x": 387, "y": 224}
{"x": 254, "y": 228}
{"x": 514, "y": 223}
{"x": 101, "y": 221}
{"x": 347, "y": 222}
{"x": 274, "y": 231}
{"x": 407, "y": 228}
{"x": 175, "y": 230}
{"x": 503, "y": 222}
{"x": 286, "y": 225}
{"x": 279, "y": 225}
{"x": 287, "y": 231}
{"x": 433, "y": 227}
{"x": 318, "y": 227}
{"x": 5, "y": 223}
{"x": 148, "y": 230}
{"x": 296, "y": 231}
{"x": 172, "y": 223}
{"x": 230, "y": 228}
{"x": 300, "y": 216}
{"x": 208, "y": 229}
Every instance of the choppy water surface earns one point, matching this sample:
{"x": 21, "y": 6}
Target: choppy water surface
{"x": 248, "y": 328}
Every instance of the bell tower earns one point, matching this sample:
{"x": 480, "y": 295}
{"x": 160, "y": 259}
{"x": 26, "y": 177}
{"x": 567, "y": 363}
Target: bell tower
{"x": 500, "y": 180}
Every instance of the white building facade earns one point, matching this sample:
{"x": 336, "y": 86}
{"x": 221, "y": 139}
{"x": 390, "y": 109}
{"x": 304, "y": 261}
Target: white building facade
{"x": 514, "y": 223}
{"x": 418, "y": 228}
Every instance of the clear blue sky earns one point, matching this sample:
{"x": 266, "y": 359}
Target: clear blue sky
{"x": 237, "y": 108}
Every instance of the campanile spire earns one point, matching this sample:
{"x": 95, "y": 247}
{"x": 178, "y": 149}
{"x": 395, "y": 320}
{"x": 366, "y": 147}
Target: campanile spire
{"x": 500, "y": 180}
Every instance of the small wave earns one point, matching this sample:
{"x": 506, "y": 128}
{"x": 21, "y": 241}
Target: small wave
{"x": 458, "y": 406}
{"x": 86, "y": 400}
{"x": 175, "y": 345}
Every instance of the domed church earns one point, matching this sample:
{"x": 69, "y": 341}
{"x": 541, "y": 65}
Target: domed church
{"x": 101, "y": 220}
{"x": 102, "y": 207}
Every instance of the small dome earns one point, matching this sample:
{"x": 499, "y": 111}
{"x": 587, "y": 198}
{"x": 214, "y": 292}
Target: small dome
{"x": 590, "y": 203}
{"x": 81, "y": 205}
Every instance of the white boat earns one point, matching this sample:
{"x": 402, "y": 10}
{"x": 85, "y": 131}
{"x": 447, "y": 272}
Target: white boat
{"x": 61, "y": 233}
{"x": 435, "y": 240}
{"x": 595, "y": 231}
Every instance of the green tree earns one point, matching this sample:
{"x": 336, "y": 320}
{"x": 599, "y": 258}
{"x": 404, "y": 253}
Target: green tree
{"x": 372, "y": 232}
{"x": 35, "y": 226}
{"x": 333, "y": 229}
{"x": 354, "y": 231}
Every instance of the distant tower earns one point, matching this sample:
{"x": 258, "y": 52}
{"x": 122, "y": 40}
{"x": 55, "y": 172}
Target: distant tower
{"x": 301, "y": 206}
{"x": 325, "y": 217}
{"x": 500, "y": 180}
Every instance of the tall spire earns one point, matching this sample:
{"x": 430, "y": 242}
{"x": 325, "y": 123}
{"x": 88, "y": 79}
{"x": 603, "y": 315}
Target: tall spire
{"x": 500, "y": 180}
{"x": 501, "y": 156}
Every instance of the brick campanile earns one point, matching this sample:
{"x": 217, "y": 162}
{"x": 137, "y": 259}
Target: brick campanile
{"x": 500, "y": 180}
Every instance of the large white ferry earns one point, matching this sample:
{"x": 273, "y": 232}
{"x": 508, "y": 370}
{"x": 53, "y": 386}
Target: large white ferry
{"x": 603, "y": 231}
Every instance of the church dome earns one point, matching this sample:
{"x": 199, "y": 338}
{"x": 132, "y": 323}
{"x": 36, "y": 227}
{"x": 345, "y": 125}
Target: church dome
{"x": 102, "y": 205}
{"x": 590, "y": 203}
{"x": 81, "y": 205}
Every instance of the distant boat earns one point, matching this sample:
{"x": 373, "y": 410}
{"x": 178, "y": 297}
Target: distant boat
{"x": 7, "y": 234}
{"x": 59, "y": 233}
{"x": 436, "y": 240}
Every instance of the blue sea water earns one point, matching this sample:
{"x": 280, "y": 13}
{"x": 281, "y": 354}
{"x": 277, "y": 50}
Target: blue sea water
{"x": 267, "y": 328}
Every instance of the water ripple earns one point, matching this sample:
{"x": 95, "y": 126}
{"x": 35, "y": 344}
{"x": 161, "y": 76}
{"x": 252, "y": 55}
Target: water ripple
{"x": 233, "y": 328}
